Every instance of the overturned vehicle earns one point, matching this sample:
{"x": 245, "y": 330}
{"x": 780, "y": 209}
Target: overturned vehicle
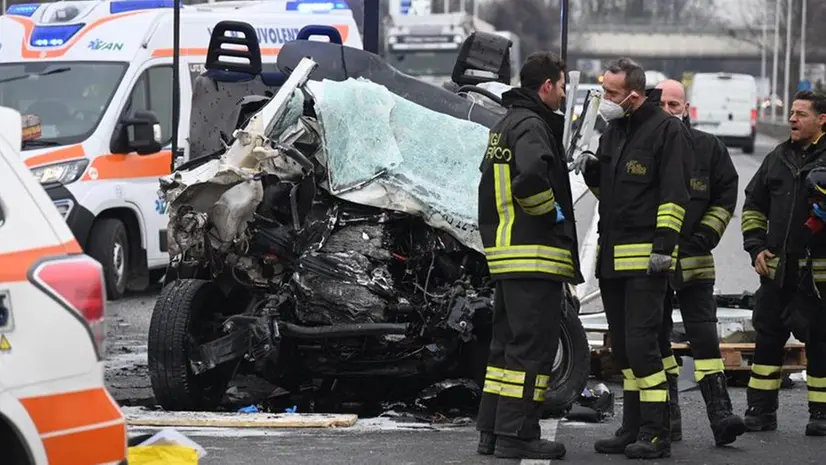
{"x": 333, "y": 242}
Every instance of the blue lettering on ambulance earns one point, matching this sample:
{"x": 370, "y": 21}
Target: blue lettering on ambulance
{"x": 269, "y": 35}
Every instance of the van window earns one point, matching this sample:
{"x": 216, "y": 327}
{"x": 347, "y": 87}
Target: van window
{"x": 153, "y": 92}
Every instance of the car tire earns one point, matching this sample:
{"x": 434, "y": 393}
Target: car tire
{"x": 570, "y": 374}
{"x": 748, "y": 149}
{"x": 109, "y": 244}
{"x": 184, "y": 315}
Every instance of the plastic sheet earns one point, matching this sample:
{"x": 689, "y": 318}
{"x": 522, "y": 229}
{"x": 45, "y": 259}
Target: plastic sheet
{"x": 427, "y": 157}
{"x": 162, "y": 455}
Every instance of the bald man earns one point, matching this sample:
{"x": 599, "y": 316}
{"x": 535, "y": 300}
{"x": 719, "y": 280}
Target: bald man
{"x": 713, "y": 189}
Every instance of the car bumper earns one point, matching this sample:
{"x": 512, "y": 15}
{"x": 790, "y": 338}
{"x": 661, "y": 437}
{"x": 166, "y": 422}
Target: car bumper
{"x": 77, "y": 217}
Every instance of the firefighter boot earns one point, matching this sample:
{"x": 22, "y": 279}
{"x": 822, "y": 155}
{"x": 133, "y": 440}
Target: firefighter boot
{"x": 725, "y": 425}
{"x": 523, "y": 448}
{"x": 654, "y": 441}
{"x": 674, "y": 406}
{"x": 817, "y": 420}
{"x": 761, "y": 414}
{"x": 487, "y": 443}
{"x": 627, "y": 433}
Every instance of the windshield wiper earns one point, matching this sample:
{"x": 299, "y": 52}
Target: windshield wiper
{"x": 27, "y": 144}
{"x": 28, "y": 75}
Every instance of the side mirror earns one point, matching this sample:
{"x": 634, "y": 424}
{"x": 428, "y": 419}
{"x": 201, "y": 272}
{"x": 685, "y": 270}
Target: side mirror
{"x": 142, "y": 133}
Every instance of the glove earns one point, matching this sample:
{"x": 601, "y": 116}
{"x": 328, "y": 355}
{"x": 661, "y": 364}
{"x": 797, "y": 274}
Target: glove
{"x": 560, "y": 217}
{"x": 583, "y": 161}
{"x": 819, "y": 212}
{"x": 659, "y": 263}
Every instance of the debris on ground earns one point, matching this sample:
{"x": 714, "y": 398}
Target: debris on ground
{"x": 166, "y": 447}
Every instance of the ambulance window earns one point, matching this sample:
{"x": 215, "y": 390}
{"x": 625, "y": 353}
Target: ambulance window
{"x": 153, "y": 92}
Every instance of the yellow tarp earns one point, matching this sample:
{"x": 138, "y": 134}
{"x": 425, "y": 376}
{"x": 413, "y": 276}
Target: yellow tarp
{"x": 162, "y": 455}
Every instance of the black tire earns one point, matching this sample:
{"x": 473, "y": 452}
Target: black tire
{"x": 573, "y": 367}
{"x": 748, "y": 149}
{"x": 185, "y": 314}
{"x": 108, "y": 240}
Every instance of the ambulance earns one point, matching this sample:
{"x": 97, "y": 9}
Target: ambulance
{"x": 98, "y": 76}
{"x": 54, "y": 406}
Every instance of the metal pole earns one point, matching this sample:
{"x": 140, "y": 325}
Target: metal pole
{"x": 176, "y": 77}
{"x": 563, "y": 27}
{"x": 774, "y": 58}
{"x": 803, "y": 41}
{"x": 786, "y": 69}
{"x": 763, "y": 44}
{"x": 371, "y": 25}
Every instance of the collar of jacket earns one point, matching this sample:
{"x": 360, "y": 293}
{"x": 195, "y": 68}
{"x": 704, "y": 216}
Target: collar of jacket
{"x": 640, "y": 115}
{"x": 817, "y": 146}
{"x": 528, "y": 99}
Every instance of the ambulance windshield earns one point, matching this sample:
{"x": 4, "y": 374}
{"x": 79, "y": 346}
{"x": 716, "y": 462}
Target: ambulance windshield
{"x": 68, "y": 97}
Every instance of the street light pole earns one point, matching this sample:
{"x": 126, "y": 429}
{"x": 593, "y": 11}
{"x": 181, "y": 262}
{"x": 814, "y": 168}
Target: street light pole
{"x": 773, "y": 96}
{"x": 786, "y": 69}
{"x": 803, "y": 41}
{"x": 563, "y": 27}
{"x": 763, "y": 44}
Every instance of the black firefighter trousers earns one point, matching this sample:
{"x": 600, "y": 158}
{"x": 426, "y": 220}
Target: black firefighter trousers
{"x": 772, "y": 335}
{"x": 634, "y": 309}
{"x": 699, "y": 312}
{"x": 526, "y": 328}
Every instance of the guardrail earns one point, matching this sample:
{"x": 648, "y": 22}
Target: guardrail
{"x": 778, "y": 130}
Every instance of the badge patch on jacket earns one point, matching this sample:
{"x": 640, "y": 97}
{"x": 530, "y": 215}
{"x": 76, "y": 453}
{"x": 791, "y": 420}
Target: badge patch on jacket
{"x": 635, "y": 168}
{"x": 698, "y": 185}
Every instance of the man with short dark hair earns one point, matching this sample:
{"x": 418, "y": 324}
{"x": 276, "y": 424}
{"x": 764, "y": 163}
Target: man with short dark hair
{"x": 526, "y": 220}
{"x": 713, "y": 190}
{"x": 640, "y": 175}
{"x": 776, "y": 236}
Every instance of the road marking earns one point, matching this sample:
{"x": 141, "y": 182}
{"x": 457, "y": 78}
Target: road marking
{"x": 549, "y": 434}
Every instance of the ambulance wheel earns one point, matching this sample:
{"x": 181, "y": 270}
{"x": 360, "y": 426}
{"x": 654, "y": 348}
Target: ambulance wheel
{"x": 572, "y": 365}
{"x": 748, "y": 149}
{"x": 186, "y": 314}
{"x": 109, "y": 245}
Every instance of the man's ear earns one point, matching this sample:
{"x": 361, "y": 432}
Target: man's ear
{"x": 821, "y": 119}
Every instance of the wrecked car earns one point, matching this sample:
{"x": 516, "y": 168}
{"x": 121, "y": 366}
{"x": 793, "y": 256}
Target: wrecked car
{"x": 332, "y": 241}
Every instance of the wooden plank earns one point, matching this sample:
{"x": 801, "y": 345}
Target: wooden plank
{"x": 239, "y": 420}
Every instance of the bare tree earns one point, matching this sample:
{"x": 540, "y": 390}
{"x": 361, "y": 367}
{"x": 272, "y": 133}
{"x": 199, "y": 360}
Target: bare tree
{"x": 536, "y": 22}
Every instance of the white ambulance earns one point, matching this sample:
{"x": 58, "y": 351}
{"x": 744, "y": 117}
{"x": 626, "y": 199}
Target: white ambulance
{"x": 54, "y": 406}
{"x": 84, "y": 68}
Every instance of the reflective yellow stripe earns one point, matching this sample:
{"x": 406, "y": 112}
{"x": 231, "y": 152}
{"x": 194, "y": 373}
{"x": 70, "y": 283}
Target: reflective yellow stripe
{"x": 540, "y": 209}
{"x": 651, "y": 381}
{"x": 670, "y": 215}
{"x": 508, "y": 376}
{"x": 753, "y": 219}
{"x": 670, "y": 365}
{"x": 633, "y": 250}
{"x": 501, "y": 389}
{"x": 765, "y": 370}
{"x": 629, "y": 382}
{"x": 694, "y": 268}
{"x": 815, "y": 382}
{"x": 536, "y": 201}
{"x": 530, "y": 266}
{"x": 543, "y": 381}
{"x": 818, "y": 264}
{"x": 716, "y": 218}
{"x": 817, "y": 396}
{"x": 765, "y": 384}
{"x": 539, "y": 395}
{"x": 819, "y": 277}
{"x": 654, "y": 395}
{"x": 772, "y": 266}
{"x": 635, "y": 257}
{"x": 631, "y": 264}
{"x": 504, "y": 204}
{"x": 529, "y": 251}
{"x": 708, "y": 367}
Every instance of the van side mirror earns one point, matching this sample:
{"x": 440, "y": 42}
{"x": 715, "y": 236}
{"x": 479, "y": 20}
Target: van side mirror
{"x": 141, "y": 133}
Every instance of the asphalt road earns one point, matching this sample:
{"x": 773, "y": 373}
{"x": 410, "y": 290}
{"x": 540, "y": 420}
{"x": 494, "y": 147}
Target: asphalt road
{"x": 382, "y": 441}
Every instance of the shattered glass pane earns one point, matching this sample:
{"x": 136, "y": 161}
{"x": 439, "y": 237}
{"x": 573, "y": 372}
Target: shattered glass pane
{"x": 432, "y": 157}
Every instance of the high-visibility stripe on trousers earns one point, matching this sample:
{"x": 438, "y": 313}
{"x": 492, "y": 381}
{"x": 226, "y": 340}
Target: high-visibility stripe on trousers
{"x": 702, "y": 368}
{"x": 511, "y": 383}
{"x": 766, "y": 377}
{"x": 653, "y": 388}
{"x": 817, "y": 389}
{"x": 670, "y": 365}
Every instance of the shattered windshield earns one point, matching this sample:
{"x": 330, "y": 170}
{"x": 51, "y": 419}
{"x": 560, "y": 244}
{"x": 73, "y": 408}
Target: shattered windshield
{"x": 424, "y": 63}
{"x": 68, "y": 97}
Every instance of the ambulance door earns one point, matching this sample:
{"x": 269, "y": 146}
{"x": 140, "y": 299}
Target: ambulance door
{"x": 153, "y": 92}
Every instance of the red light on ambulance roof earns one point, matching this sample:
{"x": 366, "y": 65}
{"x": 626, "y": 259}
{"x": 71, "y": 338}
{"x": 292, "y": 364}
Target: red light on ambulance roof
{"x": 77, "y": 282}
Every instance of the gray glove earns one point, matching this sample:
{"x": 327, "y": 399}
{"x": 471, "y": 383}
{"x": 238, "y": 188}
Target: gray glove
{"x": 582, "y": 161}
{"x": 659, "y": 263}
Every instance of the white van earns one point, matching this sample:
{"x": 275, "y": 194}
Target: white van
{"x": 54, "y": 406}
{"x": 84, "y": 68}
{"x": 725, "y": 105}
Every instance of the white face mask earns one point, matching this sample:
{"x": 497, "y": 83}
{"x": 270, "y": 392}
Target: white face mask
{"x": 612, "y": 111}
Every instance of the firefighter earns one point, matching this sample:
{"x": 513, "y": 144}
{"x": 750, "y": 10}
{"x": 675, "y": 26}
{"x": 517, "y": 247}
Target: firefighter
{"x": 774, "y": 229}
{"x": 526, "y": 222}
{"x": 713, "y": 190}
{"x": 640, "y": 176}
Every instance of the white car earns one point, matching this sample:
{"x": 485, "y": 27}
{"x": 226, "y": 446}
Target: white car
{"x": 725, "y": 105}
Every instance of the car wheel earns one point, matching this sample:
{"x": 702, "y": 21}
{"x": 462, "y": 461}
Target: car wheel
{"x": 186, "y": 314}
{"x": 748, "y": 149}
{"x": 109, "y": 245}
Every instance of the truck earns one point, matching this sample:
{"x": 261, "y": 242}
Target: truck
{"x": 426, "y": 46}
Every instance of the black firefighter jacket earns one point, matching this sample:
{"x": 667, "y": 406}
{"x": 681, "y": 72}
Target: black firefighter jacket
{"x": 777, "y": 208}
{"x": 524, "y": 180}
{"x": 713, "y": 191}
{"x": 641, "y": 179}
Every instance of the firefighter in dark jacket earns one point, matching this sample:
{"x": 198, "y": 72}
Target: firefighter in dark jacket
{"x": 526, "y": 220}
{"x": 640, "y": 176}
{"x": 774, "y": 229}
{"x": 713, "y": 190}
